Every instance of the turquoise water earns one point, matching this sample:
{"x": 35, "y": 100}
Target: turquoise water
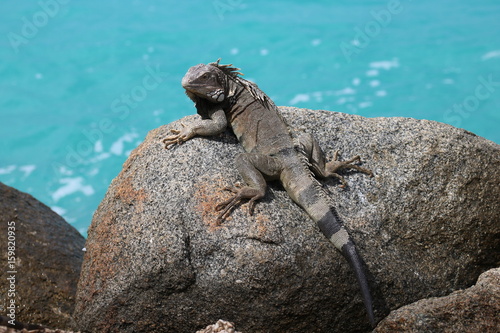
{"x": 82, "y": 82}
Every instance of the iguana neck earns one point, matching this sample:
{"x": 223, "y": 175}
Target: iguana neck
{"x": 255, "y": 120}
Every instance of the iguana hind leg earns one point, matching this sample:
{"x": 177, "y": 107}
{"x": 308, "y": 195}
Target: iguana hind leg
{"x": 323, "y": 169}
{"x": 254, "y": 169}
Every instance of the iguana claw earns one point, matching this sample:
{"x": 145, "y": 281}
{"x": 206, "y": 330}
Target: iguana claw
{"x": 240, "y": 193}
{"x": 180, "y": 136}
{"x": 336, "y": 165}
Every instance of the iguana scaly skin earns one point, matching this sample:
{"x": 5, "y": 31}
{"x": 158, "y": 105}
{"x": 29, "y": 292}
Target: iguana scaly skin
{"x": 221, "y": 96}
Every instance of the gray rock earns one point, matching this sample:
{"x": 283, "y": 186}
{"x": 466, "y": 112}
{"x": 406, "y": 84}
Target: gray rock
{"x": 46, "y": 260}
{"x": 426, "y": 224}
{"x": 475, "y": 309}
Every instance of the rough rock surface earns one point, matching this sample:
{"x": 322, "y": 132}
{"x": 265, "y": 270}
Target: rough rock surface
{"x": 48, "y": 256}
{"x": 475, "y": 309}
{"x": 426, "y": 225}
{"x": 4, "y": 329}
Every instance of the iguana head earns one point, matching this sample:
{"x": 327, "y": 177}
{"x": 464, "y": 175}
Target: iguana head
{"x": 209, "y": 81}
{"x": 205, "y": 81}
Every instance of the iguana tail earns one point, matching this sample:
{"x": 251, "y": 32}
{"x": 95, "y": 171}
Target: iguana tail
{"x": 330, "y": 225}
{"x": 307, "y": 192}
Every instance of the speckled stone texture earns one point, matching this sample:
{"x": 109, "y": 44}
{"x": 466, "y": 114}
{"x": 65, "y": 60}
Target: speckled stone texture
{"x": 426, "y": 225}
{"x": 4, "y": 329}
{"x": 475, "y": 309}
{"x": 48, "y": 257}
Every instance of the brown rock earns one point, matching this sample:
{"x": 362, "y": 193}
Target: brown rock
{"x": 43, "y": 261}
{"x": 4, "y": 329}
{"x": 475, "y": 309}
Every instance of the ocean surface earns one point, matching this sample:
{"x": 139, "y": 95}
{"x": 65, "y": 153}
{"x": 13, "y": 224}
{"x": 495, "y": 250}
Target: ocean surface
{"x": 82, "y": 82}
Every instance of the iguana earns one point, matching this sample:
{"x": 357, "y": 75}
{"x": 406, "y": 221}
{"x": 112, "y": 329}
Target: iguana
{"x": 222, "y": 96}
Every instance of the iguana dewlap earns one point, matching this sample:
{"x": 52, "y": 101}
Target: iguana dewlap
{"x": 223, "y": 98}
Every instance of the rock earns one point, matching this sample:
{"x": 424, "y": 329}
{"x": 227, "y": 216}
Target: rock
{"x": 425, "y": 225}
{"x": 46, "y": 260}
{"x": 4, "y": 329}
{"x": 475, "y": 309}
{"x": 221, "y": 326}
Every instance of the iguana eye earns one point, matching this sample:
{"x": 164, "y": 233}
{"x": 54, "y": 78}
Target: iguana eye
{"x": 204, "y": 76}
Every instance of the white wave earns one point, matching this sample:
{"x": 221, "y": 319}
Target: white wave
{"x": 345, "y": 91}
{"x": 7, "y": 169}
{"x": 381, "y": 93}
{"x": 491, "y": 54}
{"x": 58, "y": 210}
{"x": 100, "y": 157}
{"x": 27, "y": 169}
{"x": 363, "y": 105}
{"x": 343, "y": 100}
{"x": 72, "y": 185}
{"x": 299, "y": 98}
{"x": 385, "y": 64}
{"x": 98, "y": 146}
{"x": 318, "y": 95}
{"x": 118, "y": 146}
{"x": 356, "y": 81}
{"x": 65, "y": 171}
{"x": 316, "y": 42}
{"x": 374, "y": 83}
{"x": 372, "y": 72}
{"x": 93, "y": 172}
{"x": 157, "y": 112}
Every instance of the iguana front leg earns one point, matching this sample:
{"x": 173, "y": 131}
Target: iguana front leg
{"x": 254, "y": 169}
{"x": 324, "y": 169}
{"x": 216, "y": 123}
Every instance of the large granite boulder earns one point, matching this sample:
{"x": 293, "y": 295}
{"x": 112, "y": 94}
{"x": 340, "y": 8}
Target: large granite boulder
{"x": 41, "y": 257}
{"x": 425, "y": 225}
{"x": 475, "y": 309}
